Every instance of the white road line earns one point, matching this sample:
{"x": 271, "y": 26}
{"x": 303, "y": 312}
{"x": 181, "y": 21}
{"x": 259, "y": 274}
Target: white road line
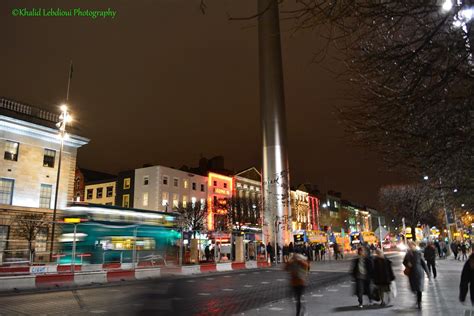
{"x": 281, "y": 280}
{"x": 227, "y": 290}
{"x": 227, "y": 276}
{"x": 204, "y": 294}
{"x": 345, "y": 285}
{"x": 248, "y": 285}
{"x": 210, "y": 279}
{"x": 265, "y": 282}
{"x": 317, "y": 295}
{"x": 190, "y": 281}
{"x": 333, "y": 290}
{"x": 275, "y": 308}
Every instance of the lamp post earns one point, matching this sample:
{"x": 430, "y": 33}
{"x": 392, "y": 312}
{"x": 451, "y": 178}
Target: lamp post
{"x": 444, "y": 206}
{"x": 64, "y": 118}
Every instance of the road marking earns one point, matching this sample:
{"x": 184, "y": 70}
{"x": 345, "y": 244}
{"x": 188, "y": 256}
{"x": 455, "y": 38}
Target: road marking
{"x": 275, "y": 308}
{"x": 114, "y": 290}
{"x": 227, "y": 290}
{"x": 255, "y": 272}
{"x": 317, "y": 295}
{"x": 333, "y": 290}
{"x": 209, "y": 279}
{"x": 242, "y": 273}
{"x": 248, "y": 285}
{"x": 204, "y": 294}
{"x": 227, "y": 276}
{"x": 345, "y": 285}
{"x": 265, "y": 282}
{"x": 190, "y": 281}
{"x": 281, "y": 280}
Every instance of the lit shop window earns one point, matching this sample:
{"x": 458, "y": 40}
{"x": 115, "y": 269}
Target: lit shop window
{"x": 164, "y": 198}
{"x": 126, "y": 200}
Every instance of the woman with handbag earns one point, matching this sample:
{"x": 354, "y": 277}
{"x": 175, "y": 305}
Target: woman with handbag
{"x": 414, "y": 268}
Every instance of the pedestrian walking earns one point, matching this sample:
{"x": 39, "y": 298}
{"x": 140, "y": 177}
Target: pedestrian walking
{"x": 430, "y": 257}
{"x": 298, "y": 268}
{"x": 336, "y": 251}
{"x": 270, "y": 252}
{"x": 463, "y": 251}
{"x": 362, "y": 273}
{"x": 383, "y": 275}
{"x": 455, "y": 249}
{"x": 207, "y": 253}
{"x": 467, "y": 279}
{"x": 438, "y": 248}
{"x": 286, "y": 253}
{"x": 414, "y": 267}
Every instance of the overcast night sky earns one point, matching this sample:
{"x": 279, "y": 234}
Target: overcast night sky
{"x": 162, "y": 83}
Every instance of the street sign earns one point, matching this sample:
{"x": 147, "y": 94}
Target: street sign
{"x": 381, "y": 232}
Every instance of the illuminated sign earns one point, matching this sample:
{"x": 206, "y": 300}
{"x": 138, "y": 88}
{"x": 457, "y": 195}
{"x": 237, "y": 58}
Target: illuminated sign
{"x": 72, "y": 220}
{"x": 221, "y": 191}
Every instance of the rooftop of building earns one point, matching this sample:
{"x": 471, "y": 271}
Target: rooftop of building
{"x": 94, "y": 177}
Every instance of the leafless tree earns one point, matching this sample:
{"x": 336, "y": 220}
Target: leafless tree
{"x": 192, "y": 216}
{"x": 417, "y": 203}
{"x": 29, "y": 225}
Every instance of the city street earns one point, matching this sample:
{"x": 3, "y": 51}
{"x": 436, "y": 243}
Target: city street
{"x": 253, "y": 292}
{"x": 209, "y": 294}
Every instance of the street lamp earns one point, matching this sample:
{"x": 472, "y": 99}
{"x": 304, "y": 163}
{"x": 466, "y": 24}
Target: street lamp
{"x": 64, "y": 118}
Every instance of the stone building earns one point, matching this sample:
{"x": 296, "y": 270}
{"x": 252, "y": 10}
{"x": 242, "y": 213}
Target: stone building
{"x": 28, "y": 170}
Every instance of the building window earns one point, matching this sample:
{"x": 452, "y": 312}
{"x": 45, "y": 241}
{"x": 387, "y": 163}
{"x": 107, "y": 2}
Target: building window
{"x": 41, "y": 239}
{"x": 164, "y": 198}
{"x": 203, "y": 203}
{"x": 45, "y": 196}
{"x": 194, "y": 185}
{"x": 175, "y": 200}
{"x": 239, "y": 185}
{"x": 89, "y": 193}
{"x": 110, "y": 191}
{"x": 165, "y": 180}
{"x": 215, "y": 183}
{"x": 193, "y": 201}
{"x": 202, "y": 187}
{"x": 4, "y": 230}
{"x": 185, "y": 184}
{"x": 126, "y": 183}
{"x": 48, "y": 158}
{"x": 225, "y": 185}
{"x": 99, "y": 193}
{"x": 176, "y": 182}
{"x": 6, "y": 191}
{"x": 145, "y": 180}
{"x": 185, "y": 200}
{"x": 11, "y": 150}
{"x": 335, "y": 204}
{"x": 251, "y": 188}
{"x": 145, "y": 199}
{"x": 126, "y": 200}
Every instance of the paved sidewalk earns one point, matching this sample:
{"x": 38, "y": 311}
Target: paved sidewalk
{"x": 439, "y": 298}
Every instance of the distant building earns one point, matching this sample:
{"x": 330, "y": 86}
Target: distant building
{"x": 83, "y": 176}
{"x": 248, "y": 195}
{"x": 125, "y": 189}
{"x": 220, "y": 190}
{"x": 101, "y": 192}
{"x": 300, "y": 211}
{"x": 162, "y": 188}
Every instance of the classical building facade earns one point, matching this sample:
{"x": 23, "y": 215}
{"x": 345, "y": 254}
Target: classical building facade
{"x": 162, "y": 188}
{"x": 247, "y": 196}
{"x": 30, "y": 157}
{"x": 101, "y": 192}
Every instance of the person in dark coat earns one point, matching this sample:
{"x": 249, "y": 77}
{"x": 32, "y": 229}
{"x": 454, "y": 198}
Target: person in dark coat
{"x": 270, "y": 252}
{"x": 207, "y": 252}
{"x": 362, "y": 274}
{"x": 298, "y": 268}
{"x": 463, "y": 251}
{"x": 430, "y": 257}
{"x": 455, "y": 249}
{"x": 415, "y": 265}
{"x": 382, "y": 274}
{"x": 467, "y": 279}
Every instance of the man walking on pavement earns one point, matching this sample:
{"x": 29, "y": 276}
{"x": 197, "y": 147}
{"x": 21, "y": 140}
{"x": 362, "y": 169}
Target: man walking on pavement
{"x": 298, "y": 268}
{"x": 467, "y": 279}
{"x": 430, "y": 257}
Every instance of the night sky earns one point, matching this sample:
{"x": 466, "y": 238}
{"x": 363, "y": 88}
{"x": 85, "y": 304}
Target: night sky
{"x": 162, "y": 84}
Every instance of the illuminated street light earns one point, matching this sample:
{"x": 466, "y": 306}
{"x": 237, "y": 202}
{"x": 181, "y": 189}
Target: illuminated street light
{"x": 425, "y": 178}
{"x": 325, "y": 205}
{"x": 447, "y": 6}
{"x": 455, "y": 190}
{"x": 64, "y": 118}
{"x": 462, "y": 205}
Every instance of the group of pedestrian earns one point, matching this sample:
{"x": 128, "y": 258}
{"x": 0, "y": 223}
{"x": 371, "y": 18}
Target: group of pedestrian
{"x": 461, "y": 249}
{"x": 372, "y": 275}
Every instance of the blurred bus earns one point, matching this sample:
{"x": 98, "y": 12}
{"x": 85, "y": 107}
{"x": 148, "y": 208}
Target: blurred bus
{"x": 106, "y": 234}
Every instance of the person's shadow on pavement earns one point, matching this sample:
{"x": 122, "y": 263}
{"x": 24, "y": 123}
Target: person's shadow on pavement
{"x": 357, "y": 308}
